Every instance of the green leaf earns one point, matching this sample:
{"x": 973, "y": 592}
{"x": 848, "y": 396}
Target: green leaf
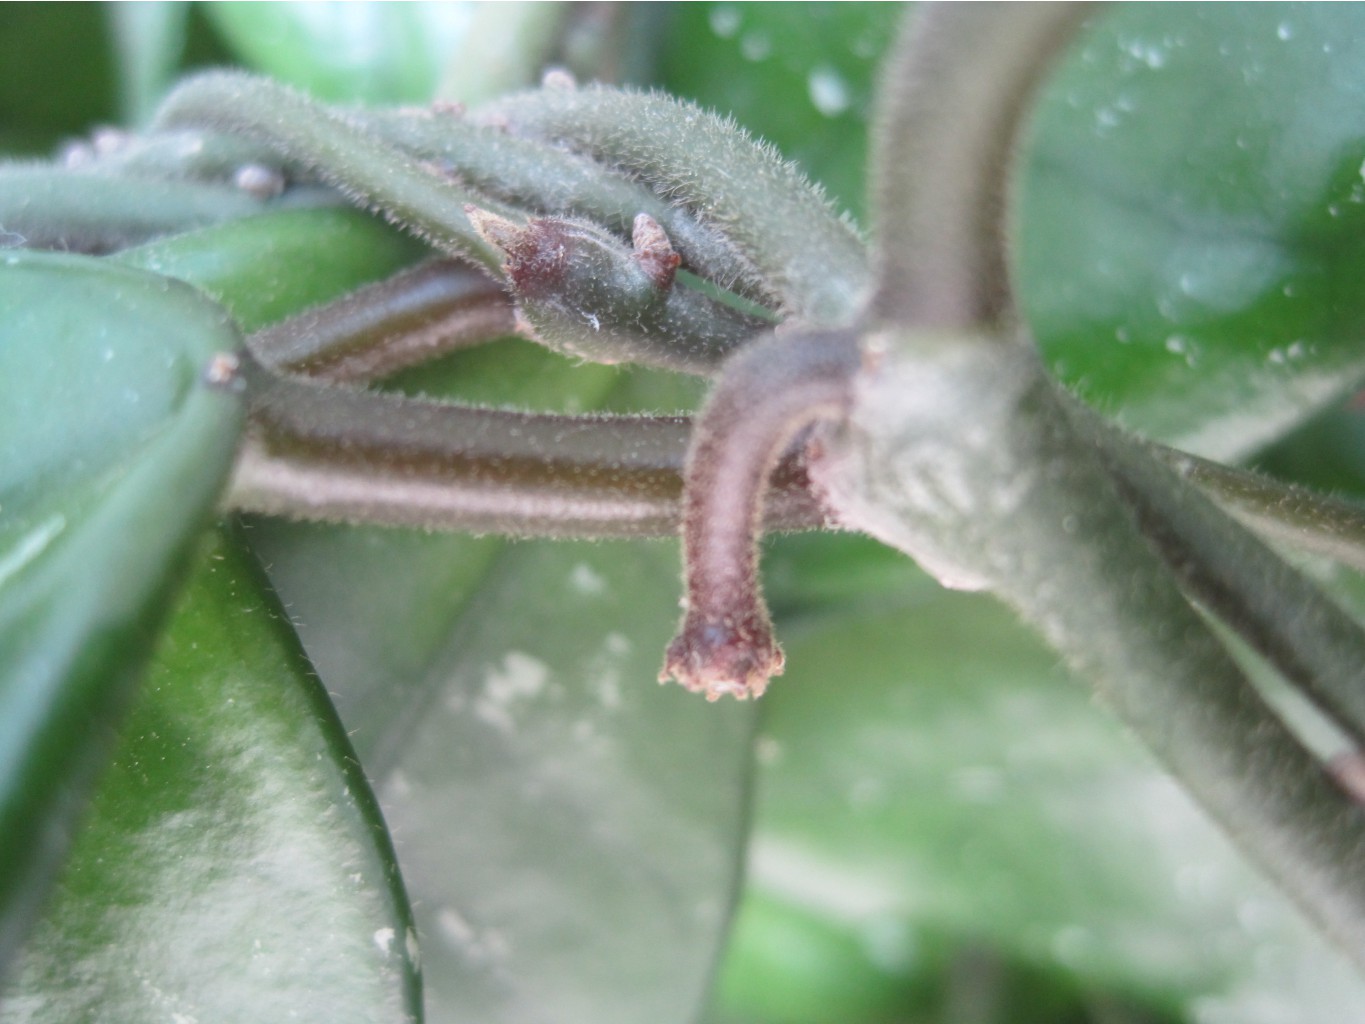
{"x": 263, "y": 268}
{"x": 114, "y": 454}
{"x": 234, "y": 865}
{"x": 1191, "y": 227}
{"x": 570, "y": 832}
{"x": 151, "y": 40}
{"x": 371, "y": 52}
{"x": 57, "y": 75}
{"x": 926, "y": 770}
{"x": 799, "y": 77}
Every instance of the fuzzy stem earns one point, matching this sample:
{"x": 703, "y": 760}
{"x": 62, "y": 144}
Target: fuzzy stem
{"x": 339, "y": 455}
{"x": 1278, "y": 611}
{"x": 413, "y": 316}
{"x": 340, "y": 150}
{"x": 963, "y": 454}
{"x": 1280, "y": 512}
{"x": 954, "y": 104}
{"x": 42, "y": 207}
{"x": 807, "y": 260}
{"x": 768, "y": 394}
{"x": 191, "y": 154}
{"x": 547, "y": 180}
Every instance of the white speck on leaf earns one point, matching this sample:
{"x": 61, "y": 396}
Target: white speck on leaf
{"x": 586, "y": 580}
{"x": 518, "y": 678}
{"x": 828, "y": 90}
{"x": 755, "y": 45}
{"x": 724, "y": 20}
{"x": 383, "y": 939}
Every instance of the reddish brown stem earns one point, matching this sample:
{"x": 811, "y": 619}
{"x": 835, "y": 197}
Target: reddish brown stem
{"x": 340, "y": 455}
{"x": 407, "y": 319}
{"x": 767, "y": 394}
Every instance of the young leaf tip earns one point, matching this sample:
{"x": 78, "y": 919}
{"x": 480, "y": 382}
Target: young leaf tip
{"x": 537, "y": 251}
{"x": 725, "y": 657}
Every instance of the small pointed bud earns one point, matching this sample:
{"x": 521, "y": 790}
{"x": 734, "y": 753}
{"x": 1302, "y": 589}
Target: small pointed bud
{"x": 537, "y": 254}
{"x": 654, "y": 252}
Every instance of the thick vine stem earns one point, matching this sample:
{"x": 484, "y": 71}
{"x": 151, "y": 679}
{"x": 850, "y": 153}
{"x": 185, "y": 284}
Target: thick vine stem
{"x": 954, "y": 102}
{"x": 414, "y": 316}
{"x": 767, "y": 395}
{"x": 336, "y": 454}
{"x": 963, "y": 454}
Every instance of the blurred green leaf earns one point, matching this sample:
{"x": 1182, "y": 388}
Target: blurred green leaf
{"x": 800, "y": 76}
{"x": 150, "y": 38}
{"x": 234, "y": 866}
{"x": 1191, "y": 229}
{"x": 57, "y": 75}
{"x": 114, "y": 452}
{"x": 926, "y": 770}
{"x": 368, "y": 52}
{"x": 791, "y": 963}
{"x": 571, "y": 833}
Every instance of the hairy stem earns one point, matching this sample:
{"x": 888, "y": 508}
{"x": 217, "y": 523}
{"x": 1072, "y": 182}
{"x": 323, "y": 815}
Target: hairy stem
{"x": 1280, "y": 512}
{"x": 341, "y": 151}
{"x": 547, "y": 180}
{"x": 412, "y": 317}
{"x": 191, "y": 154}
{"x": 44, "y": 207}
{"x": 1278, "y": 611}
{"x": 953, "y": 106}
{"x": 768, "y": 393}
{"x": 339, "y": 455}
{"x": 806, "y": 260}
{"x": 963, "y": 454}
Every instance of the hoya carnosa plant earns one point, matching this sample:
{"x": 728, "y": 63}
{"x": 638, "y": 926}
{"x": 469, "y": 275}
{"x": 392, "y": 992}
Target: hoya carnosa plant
{"x": 892, "y": 389}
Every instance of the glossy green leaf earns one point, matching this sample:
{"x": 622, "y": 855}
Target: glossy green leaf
{"x": 114, "y": 451}
{"x": 926, "y": 769}
{"x": 264, "y": 268}
{"x": 234, "y": 865}
{"x": 1191, "y": 229}
{"x": 800, "y": 76}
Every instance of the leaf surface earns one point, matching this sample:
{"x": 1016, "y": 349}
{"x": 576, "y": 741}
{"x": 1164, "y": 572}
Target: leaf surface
{"x": 927, "y": 772}
{"x": 234, "y": 865}
{"x": 1191, "y": 223}
{"x": 114, "y": 451}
